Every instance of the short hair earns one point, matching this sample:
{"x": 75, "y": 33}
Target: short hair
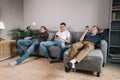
{"x": 97, "y": 28}
{"x": 44, "y": 27}
{"x": 63, "y": 23}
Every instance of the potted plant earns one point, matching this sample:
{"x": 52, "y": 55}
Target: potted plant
{"x": 19, "y": 33}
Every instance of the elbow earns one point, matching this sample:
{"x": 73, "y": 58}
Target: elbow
{"x": 81, "y": 39}
{"x": 67, "y": 41}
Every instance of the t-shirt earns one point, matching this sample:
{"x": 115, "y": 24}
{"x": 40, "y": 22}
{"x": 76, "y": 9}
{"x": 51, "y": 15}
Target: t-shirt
{"x": 40, "y": 36}
{"x": 63, "y": 35}
{"x": 95, "y": 39}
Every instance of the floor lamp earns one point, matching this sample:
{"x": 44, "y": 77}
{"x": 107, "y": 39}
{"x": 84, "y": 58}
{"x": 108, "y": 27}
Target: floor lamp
{"x": 2, "y": 26}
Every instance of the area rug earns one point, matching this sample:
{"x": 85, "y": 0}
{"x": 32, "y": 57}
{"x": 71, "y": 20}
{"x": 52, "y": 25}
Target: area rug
{"x": 40, "y": 69}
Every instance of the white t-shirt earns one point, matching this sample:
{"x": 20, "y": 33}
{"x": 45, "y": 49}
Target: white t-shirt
{"x": 64, "y": 35}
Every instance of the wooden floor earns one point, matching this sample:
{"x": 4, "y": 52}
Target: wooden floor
{"x": 40, "y": 69}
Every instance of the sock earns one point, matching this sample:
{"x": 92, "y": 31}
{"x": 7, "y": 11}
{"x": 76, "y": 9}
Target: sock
{"x": 73, "y": 63}
{"x": 13, "y": 64}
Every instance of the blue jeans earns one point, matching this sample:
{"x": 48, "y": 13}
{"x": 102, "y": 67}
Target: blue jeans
{"x": 58, "y": 43}
{"x": 31, "y": 44}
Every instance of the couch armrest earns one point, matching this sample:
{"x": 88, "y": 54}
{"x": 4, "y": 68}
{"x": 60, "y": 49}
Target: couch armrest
{"x": 66, "y": 58}
{"x": 103, "y": 47}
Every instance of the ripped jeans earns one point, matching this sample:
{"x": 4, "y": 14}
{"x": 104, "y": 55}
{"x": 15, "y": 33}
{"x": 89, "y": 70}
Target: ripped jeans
{"x": 46, "y": 44}
{"x": 31, "y": 44}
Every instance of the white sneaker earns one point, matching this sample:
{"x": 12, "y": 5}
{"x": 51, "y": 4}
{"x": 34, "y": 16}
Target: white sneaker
{"x": 13, "y": 64}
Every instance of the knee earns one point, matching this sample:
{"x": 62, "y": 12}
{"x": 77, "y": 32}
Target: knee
{"x": 36, "y": 43}
{"x": 67, "y": 52}
{"x": 59, "y": 44}
{"x": 91, "y": 47}
{"x": 73, "y": 46}
{"x": 42, "y": 44}
{"x": 19, "y": 41}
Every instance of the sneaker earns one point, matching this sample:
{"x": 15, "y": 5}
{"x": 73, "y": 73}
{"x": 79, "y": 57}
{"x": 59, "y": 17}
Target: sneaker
{"x": 13, "y": 64}
{"x": 67, "y": 69}
{"x": 50, "y": 60}
{"x": 70, "y": 67}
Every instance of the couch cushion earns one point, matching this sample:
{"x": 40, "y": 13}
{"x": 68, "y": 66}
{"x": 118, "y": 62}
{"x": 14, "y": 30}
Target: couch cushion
{"x": 51, "y": 36}
{"x": 78, "y": 35}
{"x": 72, "y": 37}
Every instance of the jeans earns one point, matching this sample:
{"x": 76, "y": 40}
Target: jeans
{"x": 80, "y": 49}
{"x": 58, "y": 43}
{"x": 31, "y": 44}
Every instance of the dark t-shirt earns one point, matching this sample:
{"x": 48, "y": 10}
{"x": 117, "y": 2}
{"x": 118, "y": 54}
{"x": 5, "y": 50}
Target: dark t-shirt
{"x": 96, "y": 39}
{"x": 40, "y": 36}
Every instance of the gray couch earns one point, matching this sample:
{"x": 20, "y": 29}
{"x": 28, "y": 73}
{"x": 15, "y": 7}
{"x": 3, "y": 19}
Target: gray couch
{"x": 92, "y": 62}
{"x": 95, "y": 59}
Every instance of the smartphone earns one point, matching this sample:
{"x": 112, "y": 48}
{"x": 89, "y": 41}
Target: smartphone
{"x": 87, "y": 26}
{"x": 56, "y": 35}
{"x": 33, "y": 23}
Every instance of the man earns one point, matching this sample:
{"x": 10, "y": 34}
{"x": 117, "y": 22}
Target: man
{"x": 88, "y": 40}
{"x": 32, "y": 44}
{"x": 62, "y": 37}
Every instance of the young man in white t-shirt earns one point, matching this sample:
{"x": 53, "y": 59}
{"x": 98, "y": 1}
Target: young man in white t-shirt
{"x": 61, "y": 37}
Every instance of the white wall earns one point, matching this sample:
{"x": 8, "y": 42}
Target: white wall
{"x": 75, "y": 13}
{"x": 11, "y": 13}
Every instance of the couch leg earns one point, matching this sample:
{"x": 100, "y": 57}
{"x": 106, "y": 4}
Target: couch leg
{"x": 66, "y": 70}
{"x": 98, "y": 74}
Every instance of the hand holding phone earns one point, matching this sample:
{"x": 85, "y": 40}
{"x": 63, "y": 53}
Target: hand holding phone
{"x": 87, "y": 26}
{"x": 33, "y": 25}
{"x": 56, "y": 35}
{"x": 86, "y": 29}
